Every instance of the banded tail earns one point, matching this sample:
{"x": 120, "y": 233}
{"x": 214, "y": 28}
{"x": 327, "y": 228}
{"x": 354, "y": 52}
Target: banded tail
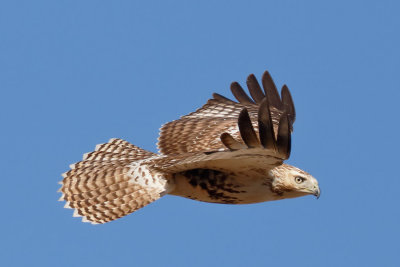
{"x": 111, "y": 182}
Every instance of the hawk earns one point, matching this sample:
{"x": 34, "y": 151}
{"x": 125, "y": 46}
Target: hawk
{"x": 225, "y": 152}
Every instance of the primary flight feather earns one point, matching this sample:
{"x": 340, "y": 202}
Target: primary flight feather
{"x": 225, "y": 152}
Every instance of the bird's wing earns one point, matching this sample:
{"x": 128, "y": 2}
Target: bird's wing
{"x": 200, "y": 131}
{"x": 267, "y": 149}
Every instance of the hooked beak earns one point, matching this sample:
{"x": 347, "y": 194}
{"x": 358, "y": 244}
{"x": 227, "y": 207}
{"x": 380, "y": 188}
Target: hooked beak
{"x": 317, "y": 192}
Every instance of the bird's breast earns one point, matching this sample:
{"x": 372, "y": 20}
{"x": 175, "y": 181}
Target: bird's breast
{"x": 221, "y": 187}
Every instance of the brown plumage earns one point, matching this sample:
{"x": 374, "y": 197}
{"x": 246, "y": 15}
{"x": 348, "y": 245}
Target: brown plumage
{"x": 225, "y": 152}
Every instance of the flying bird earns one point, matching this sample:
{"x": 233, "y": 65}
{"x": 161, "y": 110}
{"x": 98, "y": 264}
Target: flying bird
{"x": 225, "y": 152}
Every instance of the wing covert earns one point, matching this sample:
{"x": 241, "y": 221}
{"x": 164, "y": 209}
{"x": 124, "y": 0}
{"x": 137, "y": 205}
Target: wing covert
{"x": 200, "y": 131}
{"x": 268, "y": 149}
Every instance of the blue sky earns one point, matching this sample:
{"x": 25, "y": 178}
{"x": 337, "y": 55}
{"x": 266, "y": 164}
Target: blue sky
{"x": 76, "y": 73}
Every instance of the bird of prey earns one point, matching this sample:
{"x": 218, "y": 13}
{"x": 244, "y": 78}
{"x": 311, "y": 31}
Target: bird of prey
{"x": 225, "y": 152}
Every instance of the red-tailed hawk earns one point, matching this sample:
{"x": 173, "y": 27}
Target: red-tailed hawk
{"x": 225, "y": 152}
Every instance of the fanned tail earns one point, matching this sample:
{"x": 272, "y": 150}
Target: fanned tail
{"x": 111, "y": 182}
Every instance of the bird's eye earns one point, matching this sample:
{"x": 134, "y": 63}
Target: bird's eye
{"x": 299, "y": 179}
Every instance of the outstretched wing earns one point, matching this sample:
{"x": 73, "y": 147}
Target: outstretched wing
{"x": 201, "y": 130}
{"x": 268, "y": 148}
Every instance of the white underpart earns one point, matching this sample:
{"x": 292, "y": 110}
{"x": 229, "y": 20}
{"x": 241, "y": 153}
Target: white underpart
{"x": 142, "y": 175}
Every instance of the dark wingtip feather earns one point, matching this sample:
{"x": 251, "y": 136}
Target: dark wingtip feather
{"x": 240, "y": 94}
{"x": 283, "y": 141}
{"x": 230, "y": 142}
{"x": 221, "y": 98}
{"x": 246, "y": 129}
{"x": 265, "y": 126}
{"x": 254, "y": 88}
{"x": 271, "y": 91}
{"x": 288, "y": 103}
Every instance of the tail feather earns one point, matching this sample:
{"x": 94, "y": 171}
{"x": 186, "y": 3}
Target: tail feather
{"x": 111, "y": 182}
{"x": 95, "y": 196}
{"x": 94, "y": 176}
{"x": 122, "y": 147}
{"x": 117, "y": 207}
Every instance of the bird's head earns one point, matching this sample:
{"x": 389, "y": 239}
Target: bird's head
{"x": 290, "y": 182}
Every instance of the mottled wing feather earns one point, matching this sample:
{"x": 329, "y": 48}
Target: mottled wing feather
{"x": 200, "y": 131}
{"x": 254, "y": 150}
{"x": 228, "y": 161}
